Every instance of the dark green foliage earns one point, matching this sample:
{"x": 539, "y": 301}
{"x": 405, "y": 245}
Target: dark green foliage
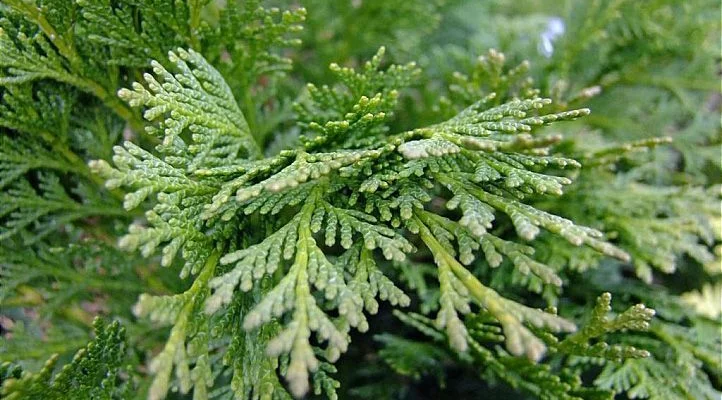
{"x": 250, "y": 189}
{"x": 685, "y": 350}
{"x": 543, "y": 380}
{"x": 94, "y": 373}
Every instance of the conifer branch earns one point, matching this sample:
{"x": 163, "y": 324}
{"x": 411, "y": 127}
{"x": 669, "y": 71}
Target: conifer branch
{"x": 519, "y": 339}
{"x": 272, "y": 215}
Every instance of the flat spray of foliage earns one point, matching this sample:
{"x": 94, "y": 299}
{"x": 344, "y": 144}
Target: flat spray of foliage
{"x": 163, "y": 165}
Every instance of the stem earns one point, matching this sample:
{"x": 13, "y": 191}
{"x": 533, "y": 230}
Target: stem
{"x": 79, "y": 165}
{"x": 248, "y": 118}
{"x": 485, "y": 296}
{"x": 35, "y": 13}
{"x": 250, "y": 112}
{"x": 67, "y": 345}
{"x": 115, "y": 104}
{"x": 67, "y": 50}
{"x": 206, "y": 273}
{"x": 176, "y": 339}
{"x": 193, "y": 23}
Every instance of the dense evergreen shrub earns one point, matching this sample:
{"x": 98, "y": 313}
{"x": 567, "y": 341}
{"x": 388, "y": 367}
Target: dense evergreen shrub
{"x": 234, "y": 199}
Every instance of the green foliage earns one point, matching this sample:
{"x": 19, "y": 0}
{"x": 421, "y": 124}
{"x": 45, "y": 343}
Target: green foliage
{"x": 354, "y": 30}
{"x": 412, "y": 358}
{"x": 543, "y": 380}
{"x": 480, "y": 138}
{"x": 497, "y": 195}
{"x": 657, "y": 226}
{"x": 682, "y": 344}
{"x": 95, "y": 371}
{"x": 76, "y": 272}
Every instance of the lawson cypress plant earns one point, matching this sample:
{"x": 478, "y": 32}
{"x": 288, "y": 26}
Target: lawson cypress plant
{"x": 240, "y": 200}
